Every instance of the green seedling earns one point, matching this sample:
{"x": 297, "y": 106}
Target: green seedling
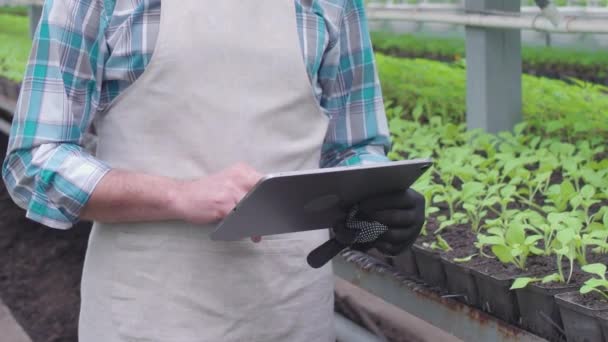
{"x": 585, "y": 199}
{"x": 560, "y": 195}
{"x": 438, "y": 244}
{"x": 570, "y": 243}
{"x": 522, "y": 282}
{"x": 598, "y": 285}
{"x": 466, "y": 259}
{"x": 512, "y": 245}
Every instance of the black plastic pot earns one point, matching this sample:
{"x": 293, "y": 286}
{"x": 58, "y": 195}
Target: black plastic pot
{"x": 495, "y": 296}
{"x": 580, "y": 322}
{"x": 602, "y": 319}
{"x": 430, "y": 266}
{"x": 406, "y": 263}
{"x": 460, "y": 282}
{"x": 539, "y": 312}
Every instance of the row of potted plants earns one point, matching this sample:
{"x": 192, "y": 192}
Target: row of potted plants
{"x": 513, "y": 218}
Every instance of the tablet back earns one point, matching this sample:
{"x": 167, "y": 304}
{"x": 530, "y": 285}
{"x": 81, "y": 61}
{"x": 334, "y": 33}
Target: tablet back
{"x": 307, "y": 200}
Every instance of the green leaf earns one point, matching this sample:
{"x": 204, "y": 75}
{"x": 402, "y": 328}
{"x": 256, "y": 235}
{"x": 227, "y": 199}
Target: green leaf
{"x": 508, "y": 191}
{"x": 599, "y": 269}
{"x": 565, "y": 236}
{"x": 443, "y": 244}
{"x": 530, "y": 240}
{"x": 490, "y": 240}
{"x": 503, "y": 253}
{"x": 594, "y": 283}
{"x": 586, "y": 289}
{"x": 520, "y": 283}
{"x": 588, "y": 191}
{"x": 567, "y": 189}
{"x": 551, "y": 278}
{"x": 496, "y": 231}
{"x": 516, "y": 234}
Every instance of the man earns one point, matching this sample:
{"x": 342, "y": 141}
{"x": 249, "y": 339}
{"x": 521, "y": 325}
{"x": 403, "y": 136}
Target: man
{"x": 191, "y": 103}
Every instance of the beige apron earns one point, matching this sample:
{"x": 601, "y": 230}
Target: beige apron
{"x": 227, "y": 83}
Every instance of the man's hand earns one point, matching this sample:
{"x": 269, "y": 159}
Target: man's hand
{"x": 126, "y": 196}
{"x": 402, "y": 212}
{"x": 210, "y": 199}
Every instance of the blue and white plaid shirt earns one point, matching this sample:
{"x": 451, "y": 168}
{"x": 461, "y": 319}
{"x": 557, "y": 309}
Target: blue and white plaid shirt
{"x": 85, "y": 53}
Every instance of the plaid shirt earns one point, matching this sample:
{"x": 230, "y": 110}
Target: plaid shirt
{"x": 85, "y": 53}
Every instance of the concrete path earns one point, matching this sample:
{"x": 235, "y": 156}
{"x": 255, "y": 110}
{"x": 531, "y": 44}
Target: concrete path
{"x": 10, "y": 330}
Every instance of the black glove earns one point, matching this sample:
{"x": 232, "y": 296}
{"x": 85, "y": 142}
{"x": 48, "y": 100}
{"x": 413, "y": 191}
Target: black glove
{"x": 390, "y": 223}
{"x": 402, "y": 213}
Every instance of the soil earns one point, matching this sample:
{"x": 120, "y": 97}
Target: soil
{"x": 40, "y": 275}
{"x": 593, "y": 301}
{"x": 9, "y": 89}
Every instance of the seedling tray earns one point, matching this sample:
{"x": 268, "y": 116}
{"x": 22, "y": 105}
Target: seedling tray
{"x": 461, "y": 282}
{"x": 430, "y": 266}
{"x": 496, "y": 297}
{"x": 580, "y": 322}
{"x": 539, "y": 312}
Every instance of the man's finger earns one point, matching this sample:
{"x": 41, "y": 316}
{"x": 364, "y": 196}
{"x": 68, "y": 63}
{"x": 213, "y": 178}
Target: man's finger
{"x": 392, "y": 218}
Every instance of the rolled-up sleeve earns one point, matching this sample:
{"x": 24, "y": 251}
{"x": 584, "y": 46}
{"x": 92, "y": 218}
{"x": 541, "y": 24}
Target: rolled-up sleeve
{"x": 352, "y": 97}
{"x": 47, "y": 171}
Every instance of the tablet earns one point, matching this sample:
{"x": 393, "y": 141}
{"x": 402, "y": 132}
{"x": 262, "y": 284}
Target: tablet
{"x": 290, "y": 202}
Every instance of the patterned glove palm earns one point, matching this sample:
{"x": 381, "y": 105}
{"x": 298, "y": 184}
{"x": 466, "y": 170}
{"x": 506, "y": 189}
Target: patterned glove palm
{"x": 353, "y": 231}
{"x": 390, "y": 223}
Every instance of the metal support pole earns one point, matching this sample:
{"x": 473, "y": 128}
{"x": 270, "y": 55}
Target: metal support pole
{"x": 493, "y": 71}
{"x": 35, "y": 12}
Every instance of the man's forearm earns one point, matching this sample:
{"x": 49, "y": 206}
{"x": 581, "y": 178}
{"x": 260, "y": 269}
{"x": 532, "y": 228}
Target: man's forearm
{"x": 125, "y": 196}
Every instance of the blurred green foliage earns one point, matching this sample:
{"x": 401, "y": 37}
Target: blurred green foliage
{"x": 454, "y": 49}
{"x": 550, "y": 107}
{"x": 15, "y": 45}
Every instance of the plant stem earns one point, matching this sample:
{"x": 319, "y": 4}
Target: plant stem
{"x": 571, "y": 269}
{"x": 560, "y": 268}
{"x": 530, "y": 203}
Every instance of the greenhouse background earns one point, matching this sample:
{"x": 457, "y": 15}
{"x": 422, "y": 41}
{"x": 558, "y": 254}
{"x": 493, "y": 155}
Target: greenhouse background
{"x": 515, "y": 246}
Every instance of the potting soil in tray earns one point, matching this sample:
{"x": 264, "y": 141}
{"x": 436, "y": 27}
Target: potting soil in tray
{"x": 580, "y": 316}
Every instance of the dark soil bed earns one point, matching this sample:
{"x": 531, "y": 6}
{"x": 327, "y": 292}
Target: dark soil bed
{"x": 9, "y": 89}
{"x": 40, "y": 272}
